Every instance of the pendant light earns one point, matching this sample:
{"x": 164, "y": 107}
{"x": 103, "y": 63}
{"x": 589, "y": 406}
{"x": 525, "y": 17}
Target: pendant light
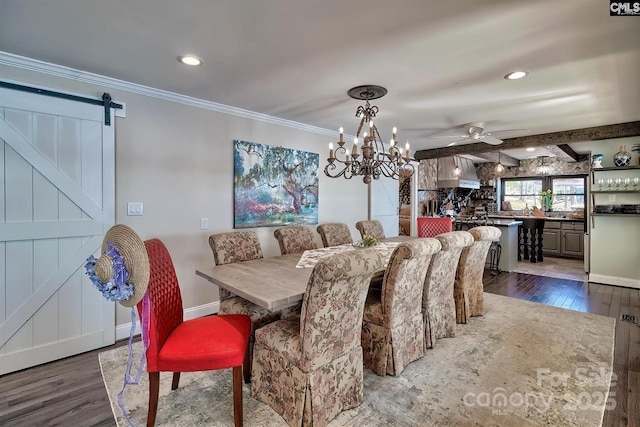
{"x": 499, "y": 167}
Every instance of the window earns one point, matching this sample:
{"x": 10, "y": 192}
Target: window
{"x": 568, "y": 191}
{"x": 521, "y": 192}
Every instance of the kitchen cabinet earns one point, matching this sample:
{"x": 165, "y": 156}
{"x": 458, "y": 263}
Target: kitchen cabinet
{"x": 572, "y": 239}
{"x": 551, "y": 238}
{"x": 563, "y": 238}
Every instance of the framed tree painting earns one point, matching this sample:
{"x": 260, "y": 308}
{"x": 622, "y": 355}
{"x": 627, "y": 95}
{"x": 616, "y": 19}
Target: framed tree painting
{"x": 274, "y": 186}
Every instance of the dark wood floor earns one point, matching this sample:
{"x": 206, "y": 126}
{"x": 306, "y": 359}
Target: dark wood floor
{"x": 70, "y": 392}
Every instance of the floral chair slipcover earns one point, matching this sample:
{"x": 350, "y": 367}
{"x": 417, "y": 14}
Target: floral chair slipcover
{"x": 309, "y": 369}
{"x": 370, "y": 228}
{"x": 295, "y": 239}
{"x": 438, "y": 307}
{"x": 240, "y": 246}
{"x": 335, "y": 234}
{"x": 392, "y": 326}
{"x": 468, "y": 289}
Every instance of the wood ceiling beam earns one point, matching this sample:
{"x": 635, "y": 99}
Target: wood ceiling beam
{"x": 620, "y": 130}
{"x": 569, "y": 152}
{"x": 505, "y": 159}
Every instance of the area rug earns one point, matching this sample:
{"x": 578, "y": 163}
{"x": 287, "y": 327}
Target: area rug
{"x": 521, "y": 364}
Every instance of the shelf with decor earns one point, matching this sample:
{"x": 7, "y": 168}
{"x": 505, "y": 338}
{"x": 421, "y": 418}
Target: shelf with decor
{"x": 615, "y": 214}
{"x": 625, "y": 186}
{"x": 614, "y": 191}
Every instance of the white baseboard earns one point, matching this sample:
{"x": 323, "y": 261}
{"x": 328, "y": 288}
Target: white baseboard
{"x": 122, "y": 331}
{"x": 614, "y": 280}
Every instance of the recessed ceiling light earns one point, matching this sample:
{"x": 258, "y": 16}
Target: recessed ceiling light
{"x": 514, "y": 75}
{"x": 531, "y": 149}
{"x": 190, "y": 60}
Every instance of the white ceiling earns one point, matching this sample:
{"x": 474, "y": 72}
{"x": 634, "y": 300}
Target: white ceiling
{"x": 442, "y": 62}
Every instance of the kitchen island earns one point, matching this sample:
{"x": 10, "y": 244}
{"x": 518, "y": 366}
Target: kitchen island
{"x": 508, "y": 240}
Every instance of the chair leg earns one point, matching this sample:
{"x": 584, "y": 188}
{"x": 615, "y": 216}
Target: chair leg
{"x": 154, "y": 389}
{"x": 176, "y": 380}
{"x": 237, "y": 395}
{"x": 246, "y": 368}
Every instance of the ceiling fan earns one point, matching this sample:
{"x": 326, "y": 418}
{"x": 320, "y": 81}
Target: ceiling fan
{"x": 475, "y": 132}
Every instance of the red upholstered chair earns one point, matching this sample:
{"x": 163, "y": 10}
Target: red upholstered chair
{"x": 175, "y": 345}
{"x": 431, "y": 227}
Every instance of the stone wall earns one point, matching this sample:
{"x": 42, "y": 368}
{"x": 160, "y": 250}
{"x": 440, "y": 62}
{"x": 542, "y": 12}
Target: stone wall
{"x": 530, "y": 167}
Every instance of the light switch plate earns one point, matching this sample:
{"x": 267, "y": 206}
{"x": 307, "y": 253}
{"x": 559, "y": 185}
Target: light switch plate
{"x": 135, "y": 208}
{"x": 204, "y": 223}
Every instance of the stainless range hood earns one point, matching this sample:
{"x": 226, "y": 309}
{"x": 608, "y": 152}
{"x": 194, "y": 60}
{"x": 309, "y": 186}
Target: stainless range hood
{"x": 467, "y": 178}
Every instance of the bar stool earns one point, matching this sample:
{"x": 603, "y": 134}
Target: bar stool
{"x": 530, "y": 239}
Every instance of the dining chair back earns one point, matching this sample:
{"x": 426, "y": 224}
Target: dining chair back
{"x": 393, "y": 326}
{"x": 432, "y": 226}
{"x": 371, "y": 228}
{"x": 334, "y": 234}
{"x": 295, "y": 239}
{"x": 309, "y": 369}
{"x": 232, "y": 247}
{"x": 438, "y": 306}
{"x": 176, "y": 345}
{"x": 468, "y": 289}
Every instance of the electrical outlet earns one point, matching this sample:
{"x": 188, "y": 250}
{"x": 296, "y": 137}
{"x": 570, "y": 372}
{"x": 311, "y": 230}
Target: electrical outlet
{"x": 612, "y": 197}
{"x": 204, "y": 223}
{"x": 135, "y": 209}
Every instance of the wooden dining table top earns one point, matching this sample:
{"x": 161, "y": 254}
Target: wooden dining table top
{"x": 273, "y": 283}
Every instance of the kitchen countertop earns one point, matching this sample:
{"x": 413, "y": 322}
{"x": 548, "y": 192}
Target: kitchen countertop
{"x": 548, "y": 218}
{"x": 499, "y": 221}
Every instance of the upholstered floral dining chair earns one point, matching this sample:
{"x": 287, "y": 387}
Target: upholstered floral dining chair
{"x": 240, "y": 246}
{"x": 392, "y": 326}
{"x": 468, "y": 289}
{"x": 438, "y": 306}
{"x": 309, "y": 369}
{"x": 294, "y": 239}
{"x": 371, "y": 228}
{"x": 334, "y": 234}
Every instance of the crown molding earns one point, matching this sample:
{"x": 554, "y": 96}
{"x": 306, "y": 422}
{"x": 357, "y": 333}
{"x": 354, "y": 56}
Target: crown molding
{"x": 35, "y": 65}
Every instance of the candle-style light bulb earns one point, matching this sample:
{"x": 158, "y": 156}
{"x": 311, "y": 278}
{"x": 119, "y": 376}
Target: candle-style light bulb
{"x": 394, "y": 131}
{"x": 407, "y": 148}
{"x": 355, "y": 145}
{"x": 341, "y": 134}
{"x": 331, "y": 150}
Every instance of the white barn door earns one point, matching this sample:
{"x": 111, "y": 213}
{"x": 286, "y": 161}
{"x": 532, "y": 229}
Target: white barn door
{"x": 383, "y": 204}
{"x": 56, "y": 202}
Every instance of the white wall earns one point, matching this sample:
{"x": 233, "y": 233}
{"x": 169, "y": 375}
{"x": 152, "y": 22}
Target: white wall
{"x": 178, "y": 161}
{"x": 615, "y": 241}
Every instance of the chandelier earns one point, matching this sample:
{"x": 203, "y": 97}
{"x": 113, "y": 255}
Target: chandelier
{"x": 368, "y": 157}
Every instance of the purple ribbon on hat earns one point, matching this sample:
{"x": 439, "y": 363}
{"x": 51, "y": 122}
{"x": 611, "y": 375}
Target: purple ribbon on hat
{"x": 142, "y": 364}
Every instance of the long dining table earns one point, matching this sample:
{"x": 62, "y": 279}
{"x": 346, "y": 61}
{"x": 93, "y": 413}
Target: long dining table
{"x": 273, "y": 283}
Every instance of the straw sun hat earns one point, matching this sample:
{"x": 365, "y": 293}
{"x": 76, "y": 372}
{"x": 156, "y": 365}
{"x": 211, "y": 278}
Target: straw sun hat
{"x": 136, "y": 261}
